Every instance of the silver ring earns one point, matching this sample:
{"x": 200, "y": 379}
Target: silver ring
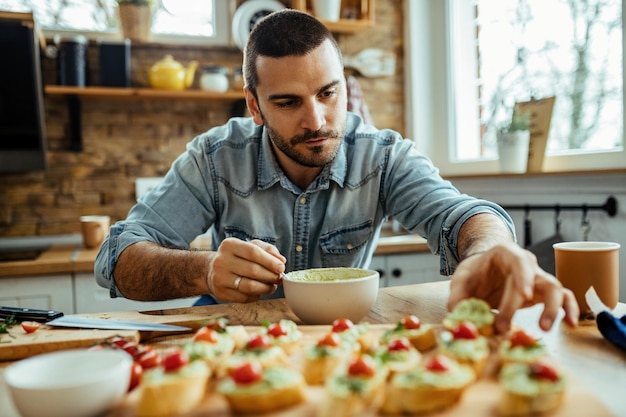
{"x": 237, "y": 282}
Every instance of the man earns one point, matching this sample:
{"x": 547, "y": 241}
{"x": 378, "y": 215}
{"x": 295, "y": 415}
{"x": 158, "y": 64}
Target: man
{"x": 303, "y": 183}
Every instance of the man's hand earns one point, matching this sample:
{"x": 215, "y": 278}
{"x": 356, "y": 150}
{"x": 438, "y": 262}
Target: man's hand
{"x": 508, "y": 278}
{"x": 242, "y": 271}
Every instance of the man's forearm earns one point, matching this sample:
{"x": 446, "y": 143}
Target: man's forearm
{"x": 146, "y": 271}
{"x": 480, "y": 233}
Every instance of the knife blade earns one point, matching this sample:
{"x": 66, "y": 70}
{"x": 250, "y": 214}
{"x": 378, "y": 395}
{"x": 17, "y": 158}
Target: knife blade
{"x": 108, "y": 324}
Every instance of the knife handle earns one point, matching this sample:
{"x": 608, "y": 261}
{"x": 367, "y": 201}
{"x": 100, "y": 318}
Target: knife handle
{"x": 24, "y": 314}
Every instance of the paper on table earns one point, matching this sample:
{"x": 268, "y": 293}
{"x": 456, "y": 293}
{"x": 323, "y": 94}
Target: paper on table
{"x": 594, "y": 302}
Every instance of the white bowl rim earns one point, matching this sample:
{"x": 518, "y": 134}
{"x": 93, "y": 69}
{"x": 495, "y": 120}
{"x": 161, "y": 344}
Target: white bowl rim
{"x": 14, "y": 381}
{"x": 586, "y": 246}
{"x": 372, "y": 274}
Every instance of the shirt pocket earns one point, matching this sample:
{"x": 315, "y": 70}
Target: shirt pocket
{"x": 242, "y": 234}
{"x": 342, "y": 247}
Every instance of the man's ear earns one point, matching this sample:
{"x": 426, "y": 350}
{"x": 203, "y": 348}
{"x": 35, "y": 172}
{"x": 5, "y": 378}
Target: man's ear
{"x": 253, "y": 107}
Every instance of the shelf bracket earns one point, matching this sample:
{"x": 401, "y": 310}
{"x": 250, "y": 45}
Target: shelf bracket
{"x": 75, "y": 123}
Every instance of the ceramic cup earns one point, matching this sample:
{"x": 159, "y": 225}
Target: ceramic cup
{"x": 327, "y": 9}
{"x": 94, "y": 230}
{"x": 580, "y": 265}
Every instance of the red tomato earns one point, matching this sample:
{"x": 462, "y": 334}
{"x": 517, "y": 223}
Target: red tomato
{"x": 136, "y": 371}
{"x": 175, "y": 360}
{"x": 544, "y": 370}
{"x": 401, "y": 343}
{"x": 247, "y": 373}
{"x": 362, "y": 366}
{"x": 205, "y": 334}
{"x": 118, "y": 341}
{"x": 276, "y": 330}
{"x": 411, "y": 322}
{"x": 520, "y": 338}
{"x": 259, "y": 341}
{"x": 438, "y": 363}
{"x": 330, "y": 339}
{"x": 465, "y": 330}
{"x": 132, "y": 348}
{"x": 149, "y": 359}
{"x": 30, "y": 326}
{"x": 341, "y": 325}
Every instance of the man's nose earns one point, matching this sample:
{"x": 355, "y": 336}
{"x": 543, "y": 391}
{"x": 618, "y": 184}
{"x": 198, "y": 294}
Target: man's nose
{"x": 314, "y": 117}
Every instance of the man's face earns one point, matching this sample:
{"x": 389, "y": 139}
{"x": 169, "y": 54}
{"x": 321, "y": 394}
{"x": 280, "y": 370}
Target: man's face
{"x": 302, "y": 103}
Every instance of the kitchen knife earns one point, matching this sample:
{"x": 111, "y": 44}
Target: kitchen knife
{"x": 25, "y": 314}
{"x": 108, "y": 324}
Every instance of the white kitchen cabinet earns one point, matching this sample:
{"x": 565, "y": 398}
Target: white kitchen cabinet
{"x": 406, "y": 269}
{"x": 44, "y": 292}
{"x": 92, "y": 298}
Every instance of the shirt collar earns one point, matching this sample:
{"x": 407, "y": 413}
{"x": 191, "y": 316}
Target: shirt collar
{"x": 270, "y": 172}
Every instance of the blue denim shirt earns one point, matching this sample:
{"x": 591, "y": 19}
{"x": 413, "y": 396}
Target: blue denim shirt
{"x": 229, "y": 178}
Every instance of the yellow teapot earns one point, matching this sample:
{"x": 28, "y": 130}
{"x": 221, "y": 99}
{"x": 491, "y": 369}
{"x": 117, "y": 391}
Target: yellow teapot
{"x": 168, "y": 74}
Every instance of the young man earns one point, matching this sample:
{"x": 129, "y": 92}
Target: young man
{"x": 303, "y": 183}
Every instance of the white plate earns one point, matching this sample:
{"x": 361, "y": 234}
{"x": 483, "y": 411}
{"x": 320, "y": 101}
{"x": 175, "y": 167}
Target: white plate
{"x": 248, "y": 14}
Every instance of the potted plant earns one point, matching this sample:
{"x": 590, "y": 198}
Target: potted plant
{"x": 513, "y": 141}
{"x": 135, "y": 19}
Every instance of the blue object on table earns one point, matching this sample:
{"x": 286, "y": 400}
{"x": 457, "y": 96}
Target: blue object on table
{"x": 612, "y": 328}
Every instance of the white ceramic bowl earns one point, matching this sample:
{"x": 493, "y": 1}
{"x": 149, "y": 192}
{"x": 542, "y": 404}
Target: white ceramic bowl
{"x": 69, "y": 383}
{"x": 321, "y": 295}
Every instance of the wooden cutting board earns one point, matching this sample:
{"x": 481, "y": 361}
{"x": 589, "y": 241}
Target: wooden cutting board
{"x": 480, "y": 399}
{"x": 18, "y": 344}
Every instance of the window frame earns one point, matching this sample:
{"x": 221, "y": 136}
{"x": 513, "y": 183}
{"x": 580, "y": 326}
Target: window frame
{"x": 223, "y": 18}
{"x": 430, "y": 99}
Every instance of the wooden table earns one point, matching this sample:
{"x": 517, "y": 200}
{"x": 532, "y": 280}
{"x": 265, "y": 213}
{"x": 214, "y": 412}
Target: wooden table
{"x": 594, "y": 362}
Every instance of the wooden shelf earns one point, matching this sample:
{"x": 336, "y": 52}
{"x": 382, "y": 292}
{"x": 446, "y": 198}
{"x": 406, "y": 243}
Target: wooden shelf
{"x": 141, "y": 93}
{"x": 364, "y": 8}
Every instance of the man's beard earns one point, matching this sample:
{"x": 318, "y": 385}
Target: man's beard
{"x": 321, "y": 155}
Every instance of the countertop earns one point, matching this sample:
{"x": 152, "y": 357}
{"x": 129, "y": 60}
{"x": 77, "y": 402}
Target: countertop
{"x": 69, "y": 258}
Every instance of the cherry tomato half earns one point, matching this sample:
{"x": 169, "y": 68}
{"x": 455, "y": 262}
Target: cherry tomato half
{"x": 411, "y": 322}
{"x": 175, "y": 360}
{"x": 544, "y": 370}
{"x": 247, "y": 373}
{"x": 136, "y": 371}
{"x": 205, "y": 334}
{"x": 362, "y": 366}
{"x": 30, "y": 326}
{"x": 149, "y": 359}
{"x": 399, "y": 344}
{"x": 438, "y": 363}
{"x": 259, "y": 341}
{"x": 276, "y": 330}
{"x": 330, "y": 339}
{"x": 520, "y": 338}
{"x": 341, "y": 325}
{"x": 465, "y": 330}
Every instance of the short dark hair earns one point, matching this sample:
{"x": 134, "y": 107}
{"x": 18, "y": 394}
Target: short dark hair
{"x": 286, "y": 32}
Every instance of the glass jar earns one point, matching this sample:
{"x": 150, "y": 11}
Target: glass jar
{"x": 238, "y": 81}
{"x": 214, "y": 78}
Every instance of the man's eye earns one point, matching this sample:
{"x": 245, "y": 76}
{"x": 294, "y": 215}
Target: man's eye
{"x": 329, "y": 93}
{"x": 283, "y": 104}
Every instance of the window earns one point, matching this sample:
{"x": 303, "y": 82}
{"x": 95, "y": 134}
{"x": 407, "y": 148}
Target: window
{"x": 470, "y": 61}
{"x": 174, "y": 21}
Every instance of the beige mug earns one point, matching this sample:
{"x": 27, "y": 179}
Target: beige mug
{"x": 580, "y": 265}
{"x": 94, "y": 230}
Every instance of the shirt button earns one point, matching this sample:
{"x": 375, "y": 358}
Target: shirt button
{"x": 349, "y": 246}
{"x": 302, "y": 200}
{"x": 299, "y": 248}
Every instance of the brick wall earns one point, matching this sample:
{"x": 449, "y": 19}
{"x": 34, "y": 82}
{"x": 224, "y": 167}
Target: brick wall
{"x": 126, "y": 139}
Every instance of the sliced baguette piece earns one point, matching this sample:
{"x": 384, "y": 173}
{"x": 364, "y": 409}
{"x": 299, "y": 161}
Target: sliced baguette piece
{"x": 530, "y": 388}
{"x": 165, "y": 394}
{"x": 474, "y": 310}
{"x": 428, "y": 388}
{"x": 279, "y": 388}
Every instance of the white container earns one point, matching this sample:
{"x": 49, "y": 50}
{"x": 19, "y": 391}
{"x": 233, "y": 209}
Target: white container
{"x": 327, "y": 9}
{"x": 513, "y": 151}
{"x": 214, "y": 78}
